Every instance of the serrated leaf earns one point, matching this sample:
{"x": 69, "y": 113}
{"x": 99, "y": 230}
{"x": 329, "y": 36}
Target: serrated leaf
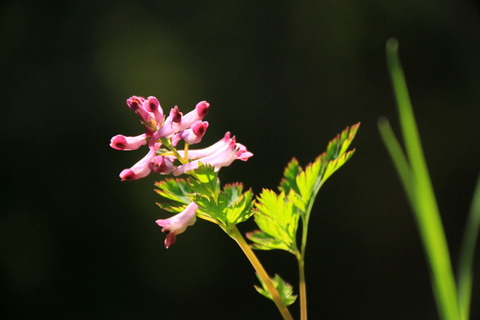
{"x": 175, "y": 193}
{"x": 341, "y": 142}
{"x": 209, "y": 210}
{"x": 174, "y": 189}
{"x": 277, "y": 217}
{"x": 232, "y": 192}
{"x": 315, "y": 174}
{"x": 206, "y": 182}
{"x": 309, "y": 179}
{"x": 241, "y": 209}
{"x": 297, "y": 200}
{"x": 290, "y": 173}
{"x": 263, "y": 241}
{"x": 335, "y": 164}
{"x": 285, "y": 290}
{"x": 231, "y": 206}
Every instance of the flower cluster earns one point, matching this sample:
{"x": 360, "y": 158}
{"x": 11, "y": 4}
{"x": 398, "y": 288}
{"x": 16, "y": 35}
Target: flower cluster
{"x": 162, "y": 135}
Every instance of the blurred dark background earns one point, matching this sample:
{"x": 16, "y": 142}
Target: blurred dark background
{"x": 285, "y": 77}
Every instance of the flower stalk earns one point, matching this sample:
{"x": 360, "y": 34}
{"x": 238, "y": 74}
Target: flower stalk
{"x": 233, "y": 232}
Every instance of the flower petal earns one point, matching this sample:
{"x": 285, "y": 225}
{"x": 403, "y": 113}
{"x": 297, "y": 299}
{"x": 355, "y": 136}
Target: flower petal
{"x": 121, "y": 142}
{"x": 178, "y": 223}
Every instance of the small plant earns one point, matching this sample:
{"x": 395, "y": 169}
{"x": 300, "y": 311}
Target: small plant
{"x": 190, "y": 187}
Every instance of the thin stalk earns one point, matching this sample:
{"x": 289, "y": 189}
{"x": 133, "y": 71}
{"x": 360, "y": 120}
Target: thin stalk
{"x": 467, "y": 252}
{"x": 237, "y": 236}
{"x": 302, "y": 284}
{"x": 301, "y": 258}
{"x": 174, "y": 151}
{"x": 185, "y": 151}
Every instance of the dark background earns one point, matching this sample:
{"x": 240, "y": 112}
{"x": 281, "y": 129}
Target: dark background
{"x": 284, "y": 77}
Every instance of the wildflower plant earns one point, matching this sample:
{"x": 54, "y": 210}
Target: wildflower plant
{"x": 190, "y": 188}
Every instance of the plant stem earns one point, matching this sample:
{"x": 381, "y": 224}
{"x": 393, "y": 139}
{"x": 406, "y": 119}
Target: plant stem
{"x": 302, "y": 287}
{"x": 233, "y": 232}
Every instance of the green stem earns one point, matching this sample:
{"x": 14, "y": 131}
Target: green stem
{"x": 301, "y": 257}
{"x": 167, "y": 144}
{"x": 302, "y": 287}
{"x": 233, "y": 232}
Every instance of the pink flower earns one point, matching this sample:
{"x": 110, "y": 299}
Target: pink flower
{"x": 178, "y": 223}
{"x": 140, "y": 169}
{"x": 201, "y": 110}
{"x": 170, "y": 126}
{"x": 192, "y": 135}
{"x": 121, "y": 142}
{"x": 221, "y": 154}
{"x": 189, "y": 127}
{"x": 136, "y": 104}
{"x": 161, "y": 164}
{"x": 151, "y": 104}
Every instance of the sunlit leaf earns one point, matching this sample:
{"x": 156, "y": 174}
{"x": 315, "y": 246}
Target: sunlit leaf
{"x": 335, "y": 164}
{"x": 290, "y": 173}
{"x": 175, "y": 193}
{"x": 238, "y": 206}
{"x": 209, "y": 209}
{"x": 284, "y": 289}
{"x": 206, "y": 181}
{"x": 310, "y": 180}
{"x": 277, "y": 219}
{"x": 263, "y": 241}
{"x": 230, "y": 206}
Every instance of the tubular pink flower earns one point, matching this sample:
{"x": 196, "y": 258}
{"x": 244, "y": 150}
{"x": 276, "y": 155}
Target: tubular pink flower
{"x": 201, "y": 110}
{"x": 121, "y": 142}
{"x": 242, "y": 152}
{"x": 221, "y": 156}
{"x": 161, "y": 164}
{"x": 140, "y": 169}
{"x": 192, "y": 135}
{"x": 170, "y": 126}
{"x": 178, "y": 223}
{"x": 151, "y": 104}
{"x": 136, "y": 105}
{"x": 147, "y": 118}
{"x": 175, "y": 127}
{"x": 201, "y": 153}
{"x": 196, "y": 132}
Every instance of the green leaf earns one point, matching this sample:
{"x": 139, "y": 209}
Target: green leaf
{"x": 238, "y": 206}
{"x": 288, "y": 181}
{"x": 284, "y": 289}
{"x": 467, "y": 253}
{"x": 310, "y": 180}
{"x": 263, "y": 241}
{"x": 336, "y": 164}
{"x": 341, "y": 142}
{"x": 277, "y": 218}
{"x": 208, "y": 209}
{"x": 230, "y": 207}
{"x": 206, "y": 182}
{"x": 413, "y": 172}
{"x": 176, "y": 193}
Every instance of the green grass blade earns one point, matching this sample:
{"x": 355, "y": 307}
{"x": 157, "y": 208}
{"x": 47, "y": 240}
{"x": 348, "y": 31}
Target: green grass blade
{"x": 423, "y": 198}
{"x": 465, "y": 266}
{"x": 398, "y": 157}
